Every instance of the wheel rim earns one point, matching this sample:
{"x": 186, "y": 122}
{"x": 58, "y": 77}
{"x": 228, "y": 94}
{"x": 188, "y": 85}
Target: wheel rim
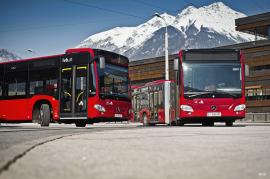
{"x": 41, "y": 115}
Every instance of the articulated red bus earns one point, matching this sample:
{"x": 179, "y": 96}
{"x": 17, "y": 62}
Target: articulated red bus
{"x": 209, "y": 88}
{"x": 151, "y": 104}
{"x": 82, "y": 86}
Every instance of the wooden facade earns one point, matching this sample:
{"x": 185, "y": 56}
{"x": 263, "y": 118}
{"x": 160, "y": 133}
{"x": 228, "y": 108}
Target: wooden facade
{"x": 257, "y": 83}
{"x": 147, "y": 70}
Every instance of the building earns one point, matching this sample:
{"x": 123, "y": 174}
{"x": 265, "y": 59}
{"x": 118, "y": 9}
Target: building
{"x": 257, "y": 57}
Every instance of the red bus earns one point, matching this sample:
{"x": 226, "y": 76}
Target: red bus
{"x": 151, "y": 105}
{"x": 82, "y": 86}
{"x": 209, "y": 88}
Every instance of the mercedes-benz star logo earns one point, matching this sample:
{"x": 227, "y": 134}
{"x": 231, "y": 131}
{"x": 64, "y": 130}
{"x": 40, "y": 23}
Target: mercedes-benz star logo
{"x": 213, "y": 108}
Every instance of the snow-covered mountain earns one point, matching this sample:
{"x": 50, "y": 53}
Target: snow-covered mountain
{"x": 204, "y": 27}
{"x": 5, "y": 55}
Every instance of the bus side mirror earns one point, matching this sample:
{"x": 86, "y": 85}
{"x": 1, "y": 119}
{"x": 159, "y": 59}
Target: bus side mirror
{"x": 246, "y": 70}
{"x": 101, "y": 62}
{"x": 175, "y": 64}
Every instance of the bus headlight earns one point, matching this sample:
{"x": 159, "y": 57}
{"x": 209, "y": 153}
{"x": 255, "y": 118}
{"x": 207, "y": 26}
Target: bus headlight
{"x": 99, "y": 108}
{"x": 186, "y": 108}
{"x": 240, "y": 107}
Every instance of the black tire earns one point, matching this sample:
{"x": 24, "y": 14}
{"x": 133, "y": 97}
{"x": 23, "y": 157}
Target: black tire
{"x": 180, "y": 123}
{"x": 80, "y": 124}
{"x": 173, "y": 123}
{"x": 229, "y": 123}
{"x": 44, "y": 115}
{"x": 208, "y": 123}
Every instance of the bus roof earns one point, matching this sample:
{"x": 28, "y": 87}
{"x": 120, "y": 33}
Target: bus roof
{"x": 30, "y": 59}
{"x": 93, "y": 52}
{"x": 51, "y": 56}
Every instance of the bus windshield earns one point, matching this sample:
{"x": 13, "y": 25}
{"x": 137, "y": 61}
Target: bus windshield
{"x": 212, "y": 77}
{"x": 113, "y": 81}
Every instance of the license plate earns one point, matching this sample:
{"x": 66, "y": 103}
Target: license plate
{"x": 214, "y": 114}
{"x": 118, "y": 115}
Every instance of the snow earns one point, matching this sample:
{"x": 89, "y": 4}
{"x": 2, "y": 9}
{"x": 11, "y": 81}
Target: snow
{"x": 216, "y": 17}
{"x": 6, "y": 55}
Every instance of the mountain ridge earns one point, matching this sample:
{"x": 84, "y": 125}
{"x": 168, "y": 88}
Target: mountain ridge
{"x": 203, "y": 27}
{"x": 6, "y": 55}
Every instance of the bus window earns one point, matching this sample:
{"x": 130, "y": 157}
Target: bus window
{"x": 156, "y": 98}
{"x": 81, "y": 89}
{"x": 1, "y": 79}
{"x": 151, "y": 100}
{"x": 16, "y": 83}
{"x": 144, "y": 100}
{"x": 1, "y": 89}
{"x": 92, "y": 81}
{"x": 43, "y": 82}
{"x": 160, "y": 98}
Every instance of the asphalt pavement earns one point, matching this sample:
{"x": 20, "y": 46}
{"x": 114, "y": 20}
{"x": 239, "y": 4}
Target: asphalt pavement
{"x": 146, "y": 152}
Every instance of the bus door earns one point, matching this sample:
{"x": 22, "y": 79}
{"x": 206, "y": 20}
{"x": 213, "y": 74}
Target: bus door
{"x": 73, "y": 91}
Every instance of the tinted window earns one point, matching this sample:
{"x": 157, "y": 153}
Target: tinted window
{"x": 113, "y": 81}
{"x": 1, "y": 79}
{"x": 200, "y": 77}
{"x": 44, "y": 81}
{"x": 16, "y": 83}
{"x": 92, "y": 81}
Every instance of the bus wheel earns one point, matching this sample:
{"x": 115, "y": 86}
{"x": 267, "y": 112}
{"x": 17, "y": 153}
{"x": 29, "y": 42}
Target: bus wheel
{"x": 44, "y": 115}
{"x": 229, "y": 123}
{"x": 172, "y": 123}
{"x": 208, "y": 123}
{"x": 180, "y": 123}
{"x": 144, "y": 117}
{"x": 80, "y": 124}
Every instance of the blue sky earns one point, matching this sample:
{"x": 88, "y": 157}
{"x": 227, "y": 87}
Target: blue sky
{"x": 52, "y": 26}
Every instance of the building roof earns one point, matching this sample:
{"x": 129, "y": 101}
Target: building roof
{"x": 151, "y": 60}
{"x": 254, "y": 24}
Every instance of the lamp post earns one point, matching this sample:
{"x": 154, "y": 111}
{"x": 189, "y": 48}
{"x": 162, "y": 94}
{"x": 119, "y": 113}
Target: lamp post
{"x": 166, "y": 85}
{"x": 166, "y": 48}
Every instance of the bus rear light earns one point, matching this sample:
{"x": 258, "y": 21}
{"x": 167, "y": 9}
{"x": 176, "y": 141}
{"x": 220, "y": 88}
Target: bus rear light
{"x": 240, "y": 107}
{"x": 186, "y": 108}
{"x": 99, "y": 108}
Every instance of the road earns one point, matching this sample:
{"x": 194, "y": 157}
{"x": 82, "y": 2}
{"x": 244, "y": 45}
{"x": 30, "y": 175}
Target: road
{"x": 127, "y": 151}
{"x": 14, "y": 134}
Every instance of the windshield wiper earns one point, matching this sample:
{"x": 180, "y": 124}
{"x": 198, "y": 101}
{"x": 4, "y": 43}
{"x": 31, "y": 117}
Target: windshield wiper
{"x": 190, "y": 89}
{"x": 226, "y": 93}
{"x": 192, "y": 95}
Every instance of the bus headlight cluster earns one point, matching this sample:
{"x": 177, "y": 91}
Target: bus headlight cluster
{"x": 240, "y": 107}
{"x": 99, "y": 108}
{"x": 186, "y": 108}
